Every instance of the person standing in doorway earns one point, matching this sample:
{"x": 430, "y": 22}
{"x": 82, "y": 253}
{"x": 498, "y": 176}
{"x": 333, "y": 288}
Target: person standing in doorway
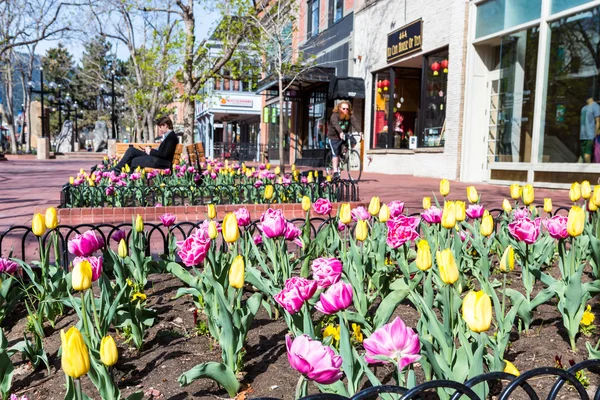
{"x": 340, "y": 123}
{"x": 589, "y": 127}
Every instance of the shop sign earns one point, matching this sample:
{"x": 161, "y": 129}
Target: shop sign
{"x": 237, "y": 102}
{"x": 405, "y": 40}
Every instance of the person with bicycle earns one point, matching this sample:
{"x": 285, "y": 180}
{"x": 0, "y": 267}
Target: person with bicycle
{"x": 338, "y": 130}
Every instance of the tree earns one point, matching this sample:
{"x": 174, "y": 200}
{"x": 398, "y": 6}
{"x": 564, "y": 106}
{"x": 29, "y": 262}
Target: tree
{"x": 58, "y": 65}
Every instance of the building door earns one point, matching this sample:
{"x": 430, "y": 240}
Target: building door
{"x": 494, "y": 127}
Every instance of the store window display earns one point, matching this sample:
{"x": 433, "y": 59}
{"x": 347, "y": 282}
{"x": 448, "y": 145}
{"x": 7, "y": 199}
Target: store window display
{"x": 434, "y": 99}
{"x": 381, "y": 103}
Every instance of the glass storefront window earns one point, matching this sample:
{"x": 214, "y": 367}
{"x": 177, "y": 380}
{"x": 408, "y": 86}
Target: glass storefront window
{"x": 572, "y": 113}
{"x": 381, "y": 111}
{"x": 496, "y": 15}
{"x": 317, "y": 122}
{"x": 433, "y": 105}
{"x": 561, "y": 5}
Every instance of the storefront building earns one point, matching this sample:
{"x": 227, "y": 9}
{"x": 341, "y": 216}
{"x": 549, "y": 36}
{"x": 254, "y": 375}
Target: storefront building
{"x": 532, "y": 89}
{"x": 411, "y": 56}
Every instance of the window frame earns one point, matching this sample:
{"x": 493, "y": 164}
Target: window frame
{"x": 311, "y": 31}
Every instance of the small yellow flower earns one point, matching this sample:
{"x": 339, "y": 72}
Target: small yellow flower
{"x": 588, "y": 316}
{"x": 330, "y": 330}
{"x": 138, "y": 296}
{"x": 129, "y": 282}
{"x": 510, "y": 368}
{"x": 357, "y": 333}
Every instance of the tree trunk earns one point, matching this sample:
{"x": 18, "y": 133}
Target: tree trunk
{"x": 26, "y": 116}
{"x": 281, "y": 127}
{"x": 188, "y": 121}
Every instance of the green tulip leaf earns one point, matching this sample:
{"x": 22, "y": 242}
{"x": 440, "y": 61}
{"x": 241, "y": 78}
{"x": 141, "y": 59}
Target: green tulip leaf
{"x": 218, "y": 372}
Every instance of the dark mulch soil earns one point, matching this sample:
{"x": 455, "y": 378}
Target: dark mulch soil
{"x": 172, "y": 347}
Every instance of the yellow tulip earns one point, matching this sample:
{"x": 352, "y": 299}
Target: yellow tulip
{"x": 268, "y": 166}
{"x": 213, "y": 232}
{"x": 127, "y": 169}
{"x": 423, "y": 255}
{"x": 507, "y": 262}
{"x": 576, "y": 221}
{"x": 374, "y": 206}
{"x": 139, "y": 224}
{"x": 515, "y": 191}
{"x": 71, "y": 180}
{"x": 81, "y": 171}
{"x": 586, "y": 190}
{"x": 38, "y": 225}
{"x": 91, "y": 182}
{"x": 449, "y": 215}
{"x": 384, "y": 213}
{"x": 588, "y": 316}
{"x": 293, "y": 167}
{"x": 510, "y": 368}
{"x": 506, "y": 206}
{"x": 75, "y": 360}
{"x": 81, "y": 276}
{"x": 447, "y": 266}
{"x": 108, "y": 351}
{"x": 277, "y": 170}
{"x": 592, "y": 206}
{"x": 575, "y": 192}
{"x": 122, "y": 248}
{"x": 460, "y": 212}
{"x": 345, "y": 214}
{"x": 310, "y": 178}
{"x": 230, "y": 229}
{"x": 472, "y": 194}
{"x": 487, "y": 224}
{"x": 361, "y": 231}
{"x": 236, "y": 273}
{"x": 548, "y": 205}
{"x": 477, "y": 311}
{"x": 528, "y": 195}
{"x": 268, "y": 192}
{"x": 426, "y": 203}
{"x": 211, "y": 211}
{"x": 596, "y": 196}
{"x": 306, "y": 203}
{"x": 51, "y": 218}
{"x": 444, "y": 187}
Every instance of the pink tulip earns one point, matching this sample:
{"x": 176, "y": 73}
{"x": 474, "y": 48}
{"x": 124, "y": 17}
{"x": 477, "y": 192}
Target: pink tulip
{"x": 193, "y": 250}
{"x": 360, "y": 214}
{"x": 258, "y": 184}
{"x": 292, "y": 232}
{"x": 521, "y": 213}
{"x": 557, "y": 227}
{"x": 341, "y": 226}
{"x": 336, "y": 298}
{"x": 306, "y": 288}
{"x": 95, "y": 262}
{"x": 475, "y": 211}
{"x": 258, "y": 240}
{"x": 290, "y": 299}
{"x": 85, "y": 245}
{"x": 322, "y": 206}
{"x": 396, "y": 208}
{"x": 432, "y": 215}
{"x": 313, "y": 360}
{"x": 463, "y": 236}
{"x": 394, "y": 341}
{"x": 525, "y": 230}
{"x": 326, "y": 271}
{"x": 167, "y": 219}
{"x": 8, "y": 266}
{"x": 401, "y": 230}
{"x": 273, "y": 223}
{"x": 303, "y": 179}
{"x": 243, "y": 216}
{"x": 110, "y": 190}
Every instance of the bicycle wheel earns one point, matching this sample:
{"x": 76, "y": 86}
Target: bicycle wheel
{"x": 353, "y": 166}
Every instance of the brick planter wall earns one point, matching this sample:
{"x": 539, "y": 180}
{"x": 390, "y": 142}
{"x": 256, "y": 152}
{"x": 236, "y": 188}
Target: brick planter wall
{"x": 75, "y": 216}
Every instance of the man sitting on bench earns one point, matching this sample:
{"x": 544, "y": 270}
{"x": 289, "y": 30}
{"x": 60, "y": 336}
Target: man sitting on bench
{"x": 150, "y": 158}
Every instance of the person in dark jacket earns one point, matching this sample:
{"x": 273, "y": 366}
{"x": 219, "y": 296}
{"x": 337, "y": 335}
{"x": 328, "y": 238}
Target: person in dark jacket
{"x": 340, "y": 124}
{"x": 153, "y": 158}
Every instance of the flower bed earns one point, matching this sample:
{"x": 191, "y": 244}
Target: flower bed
{"x": 370, "y": 296}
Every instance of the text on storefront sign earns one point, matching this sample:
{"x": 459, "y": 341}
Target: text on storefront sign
{"x": 405, "y": 40}
{"x": 236, "y": 102}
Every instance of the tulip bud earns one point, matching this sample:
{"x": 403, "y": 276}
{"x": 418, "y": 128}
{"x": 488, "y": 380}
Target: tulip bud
{"x": 459, "y": 211}
{"x": 230, "y": 229}
{"x": 528, "y": 195}
{"x": 384, "y": 213}
{"x": 447, "y": 266}
{"x": 38, "y": 225}
{"x": 507, "y": 262}
{"x": 487, "y": 224}
{"x": 423, "y": 255}
{"x": 361, "y": 231}
{"x": 472, "y": 194}
{"x": 306, "y": 203}
{"x": 596, "y": 195}
{"x": 426, "y": 203}
{"x": 268, "y": 192}
{"x": 444, "y": 187}
{"x": 51, "y": 218}
{"x": 449, "y": 215}
{"x": 548, "y": 205}
{"x": 139, "y": 224}
{"x": 576, "y": 221}
{"x": 108, "y": 351}
{"x": 293, "y": 167}
{"x": 575, "y": 192}
{"x": 477, "y": 311}
{"x": 591, "y": 206}
{"x": 344, "y": 213}
{"x": 310, "y": 178}
{"x": 586, "y": 190}
{"x": 212, "y": 230}
{"x": 515, "y": 191}
{"x": 268, "y": 166}
{"x": 277, "y": 170}
{"x": 81, "y": 171}
{"x": 81, "y": 276}
{"x": 71, "y": 180}
{"x": 374, "y": 206}
{"x": 75, "y": 360}
{"x": 211, "y": 211}
{"x": 236, "y": 273}
{"x": 506, "y": 206}
{"x": 510, "y": 368}
{"x": 122, "y": 248}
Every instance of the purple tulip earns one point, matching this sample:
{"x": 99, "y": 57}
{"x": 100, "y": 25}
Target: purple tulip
{"x": 110, "y": 190}
{"x": 360, "y": 214}
{"x": 432, "y": 215}
{"x": 396, "y": 208}
{"x": 305, "y": 287}
{"x": 292, "y": 232}
{"x": 135, "y": 176}
{"x": 287, "y": 180}
{"x": 322, "y": 206}
{"x": 326, "y": 271}
{"x": 401, "y": 230}
{"x": 193, "y": 250}
{"x": 341, "y": 226}
{"x": 520, "y": 213}
{"x": 336, "y": 298}
{"x": 258, "y": 183}
{"x": 557, "y": 227}
{"x": 167, "y": 219}
{"x": 243, "y": 216}
{"x": 85, "y": 245}
{"x": 95, "y": 262}
{"x": 261, "y": 167}
{"x": 313, "y": 360}
{"x": 8, "y": 266}
{"x": 394, "y": 341}
{"x": 118, "y": 235}
{"x": 258, "y": 240}
{"x": 525, "y": 230}
{"x": 475, "y": 211}
{"x": 273, "y": 223}
{"x": 304, "y": 180}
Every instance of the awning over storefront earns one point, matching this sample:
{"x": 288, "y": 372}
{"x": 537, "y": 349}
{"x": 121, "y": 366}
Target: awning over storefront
{"x": 300, "y": 81}
{"x": 346, "y": 88}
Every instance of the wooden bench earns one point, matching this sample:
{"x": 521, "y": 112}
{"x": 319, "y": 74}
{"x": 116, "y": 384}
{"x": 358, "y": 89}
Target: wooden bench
{"x": 196, "y": 155}
{"x": 122, "y": 148}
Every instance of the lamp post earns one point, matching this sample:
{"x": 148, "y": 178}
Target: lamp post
{"x": 41, "y": 92}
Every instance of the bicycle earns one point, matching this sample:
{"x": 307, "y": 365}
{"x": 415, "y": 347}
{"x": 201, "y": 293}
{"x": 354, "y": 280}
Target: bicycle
{"x": 350, "y": 163}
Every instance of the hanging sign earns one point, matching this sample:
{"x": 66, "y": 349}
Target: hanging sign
{"x": 405, "y": 40}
